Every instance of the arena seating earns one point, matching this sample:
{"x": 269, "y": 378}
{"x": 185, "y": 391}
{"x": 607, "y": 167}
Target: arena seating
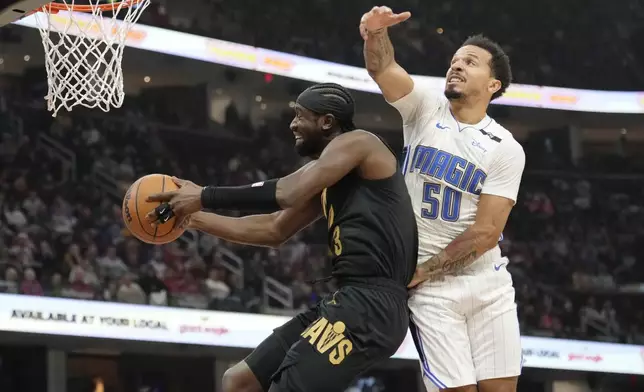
{"x": 568, "y": 54}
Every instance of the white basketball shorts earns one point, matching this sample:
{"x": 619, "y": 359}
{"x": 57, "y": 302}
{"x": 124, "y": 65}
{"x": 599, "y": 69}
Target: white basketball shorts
{"x": 466, "y": 328}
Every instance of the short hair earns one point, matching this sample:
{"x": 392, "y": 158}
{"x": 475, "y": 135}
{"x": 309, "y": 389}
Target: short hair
{"x": 499, "y": 64}
{"x": 337, "y": 92}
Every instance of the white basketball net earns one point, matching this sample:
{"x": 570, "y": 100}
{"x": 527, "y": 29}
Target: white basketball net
{"x": 83, "y": 53}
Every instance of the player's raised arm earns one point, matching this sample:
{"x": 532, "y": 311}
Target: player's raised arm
{"x": 394, "y": 82}
{"x": 270, "y": 230}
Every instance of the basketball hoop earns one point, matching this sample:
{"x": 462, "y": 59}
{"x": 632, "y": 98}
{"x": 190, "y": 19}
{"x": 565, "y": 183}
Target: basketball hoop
{"x": 84, "y": 49}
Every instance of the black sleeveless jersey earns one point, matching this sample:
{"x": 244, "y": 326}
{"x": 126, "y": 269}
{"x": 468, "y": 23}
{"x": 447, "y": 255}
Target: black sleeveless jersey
{"x": 372, "y": 230}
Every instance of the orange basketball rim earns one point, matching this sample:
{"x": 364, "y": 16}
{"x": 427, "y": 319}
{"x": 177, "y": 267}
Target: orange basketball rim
{"x": 54, "y": 7}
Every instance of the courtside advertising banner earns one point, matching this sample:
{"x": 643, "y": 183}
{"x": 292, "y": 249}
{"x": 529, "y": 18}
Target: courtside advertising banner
{"x": 232, "y": 54}
{"x": 106, "y": 320}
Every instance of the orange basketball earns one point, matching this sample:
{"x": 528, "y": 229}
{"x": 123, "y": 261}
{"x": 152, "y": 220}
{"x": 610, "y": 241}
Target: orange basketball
{"x": 135, "y": 208}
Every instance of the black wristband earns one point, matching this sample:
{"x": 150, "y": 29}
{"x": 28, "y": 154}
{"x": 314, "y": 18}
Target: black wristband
{"x": 259, "y": 196}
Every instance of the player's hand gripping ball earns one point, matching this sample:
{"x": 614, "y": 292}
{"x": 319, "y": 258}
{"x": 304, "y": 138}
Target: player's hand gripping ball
{"x": 178, "y": 204}
{"x": 136, "y": 207}
{"x": 380, "y": 18}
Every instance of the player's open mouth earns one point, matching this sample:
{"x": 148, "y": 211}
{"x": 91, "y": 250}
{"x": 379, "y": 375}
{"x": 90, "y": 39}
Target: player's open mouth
{"x": 455, "y": 79}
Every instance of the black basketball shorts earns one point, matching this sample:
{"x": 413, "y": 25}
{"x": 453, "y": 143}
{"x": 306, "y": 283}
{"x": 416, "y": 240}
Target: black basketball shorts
{"x": 326, "y": 347}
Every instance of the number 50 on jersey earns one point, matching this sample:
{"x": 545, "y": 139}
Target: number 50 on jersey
{"x": 453, "y": 175}
{"x": 441, "y": 201}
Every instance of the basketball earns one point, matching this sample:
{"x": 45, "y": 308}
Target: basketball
{"x": 135, "y": 208}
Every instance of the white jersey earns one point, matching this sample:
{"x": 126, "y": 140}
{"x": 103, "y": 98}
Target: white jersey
{"x": 448, "y": 165}
{"x": 465, "y": 327}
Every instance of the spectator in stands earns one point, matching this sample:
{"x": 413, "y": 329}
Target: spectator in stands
{"x": 83, "y": 279}
{"x": 56, "y": 288}
{"x": 22, "y": 251}
{"x": 63, "y": 220}
{"x": 34, "y": 206}
{"x": 217, "y": 288}
{"x": 110, "y": 288}
{"x": 110, "y": 265}
{"x": 47, "y": 254}
{"x": 11, "y": 281}
{"x": 154, "y": 288}
{"x": 29, "y": 284}
{"x": 14, "y": 216}
{"x": 156, "y": 262}
{"x": 72, "y": 257}
{"x": 590, "y": 316}
{"x": 129, "y": 291}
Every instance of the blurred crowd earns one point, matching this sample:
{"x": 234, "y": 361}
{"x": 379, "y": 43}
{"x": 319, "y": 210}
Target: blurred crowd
{"x": 578, "y": 274}
{"x": 566, "y": 35}
{"x": 61, "y": 232}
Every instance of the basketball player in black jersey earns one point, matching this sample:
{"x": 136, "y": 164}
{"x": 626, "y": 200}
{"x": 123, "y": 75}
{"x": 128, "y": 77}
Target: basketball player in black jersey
{"x": 354, "y": 182}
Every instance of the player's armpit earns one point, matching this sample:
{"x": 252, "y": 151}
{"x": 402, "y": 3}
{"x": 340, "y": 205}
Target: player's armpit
{"x": 270, "y": 230}
{"x": 343, "y": 154}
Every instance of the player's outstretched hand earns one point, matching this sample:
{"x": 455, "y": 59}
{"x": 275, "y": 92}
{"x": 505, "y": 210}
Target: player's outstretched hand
{"x": 180, "y": 203}
{"x": 380, "y": 18}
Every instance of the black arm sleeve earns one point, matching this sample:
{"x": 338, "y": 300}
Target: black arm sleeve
{"x": 258, "y": 196}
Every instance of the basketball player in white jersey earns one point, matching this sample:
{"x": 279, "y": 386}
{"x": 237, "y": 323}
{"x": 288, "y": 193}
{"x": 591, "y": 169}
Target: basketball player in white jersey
{"x": 463, "y": 172}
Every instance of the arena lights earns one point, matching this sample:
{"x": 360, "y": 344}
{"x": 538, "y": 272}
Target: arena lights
{"x": 272, "y": 62}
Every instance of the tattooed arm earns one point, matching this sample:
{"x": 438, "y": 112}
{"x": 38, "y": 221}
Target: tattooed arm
{"x": 483, "y": 235}
{"x": 393, "y": 80}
